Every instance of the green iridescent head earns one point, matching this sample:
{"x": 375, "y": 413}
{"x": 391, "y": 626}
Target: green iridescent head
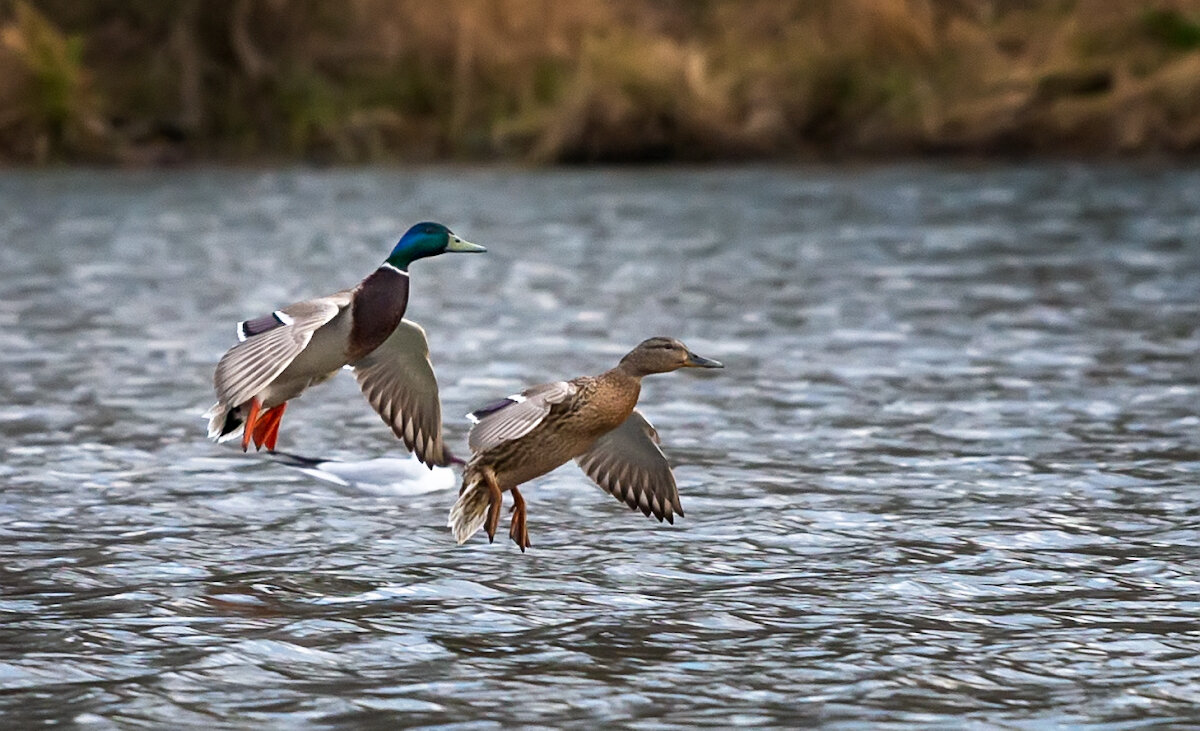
{"x": 427, "y": 239}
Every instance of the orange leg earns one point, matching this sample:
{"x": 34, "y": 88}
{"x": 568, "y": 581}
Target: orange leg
{"x": 519, "y": 532}
{"x": 273, "y": 437}
{"x": 267, "y": 429}
{"x": 261, "y": 426}
{"x": 251, "y": 422}
{"x": 494, "y": 504}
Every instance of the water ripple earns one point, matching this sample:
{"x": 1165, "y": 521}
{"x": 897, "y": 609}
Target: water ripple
{"x": 947, "y": 478}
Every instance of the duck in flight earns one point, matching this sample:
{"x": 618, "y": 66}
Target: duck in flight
{"x": 592, "y": 420}
{"x": 281, "y": 354}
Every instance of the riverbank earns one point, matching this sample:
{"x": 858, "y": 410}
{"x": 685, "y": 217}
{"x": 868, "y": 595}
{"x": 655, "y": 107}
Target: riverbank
{"x": 142, "y": 82}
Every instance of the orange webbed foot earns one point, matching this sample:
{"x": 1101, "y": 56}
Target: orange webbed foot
{"x": 519, "y": 530}
{"x": 266, "y": 431}
{"x": 496, "y": 501}
{"x": 251, "y": 423}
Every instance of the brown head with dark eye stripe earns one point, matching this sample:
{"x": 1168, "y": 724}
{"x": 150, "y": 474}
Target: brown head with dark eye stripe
{"x": 663, "y": 355}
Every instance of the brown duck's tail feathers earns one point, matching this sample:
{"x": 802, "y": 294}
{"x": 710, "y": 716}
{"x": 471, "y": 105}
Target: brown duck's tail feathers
{"x": 223, "y": 422}
{"x": 469, "y": 512}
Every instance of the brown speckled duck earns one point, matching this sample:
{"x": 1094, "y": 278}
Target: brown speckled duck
{"x": 592, "y": 420}
{"x": 280, "y": 355}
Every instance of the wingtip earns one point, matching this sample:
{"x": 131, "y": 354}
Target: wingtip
{"x": 446, "y": 459}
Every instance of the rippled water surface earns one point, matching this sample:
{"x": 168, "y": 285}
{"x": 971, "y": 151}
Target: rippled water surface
{"x": 947, "y": 478}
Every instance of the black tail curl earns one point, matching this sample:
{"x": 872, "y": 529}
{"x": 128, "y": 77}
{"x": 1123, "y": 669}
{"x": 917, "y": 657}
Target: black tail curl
{"x": 232, "y": 421}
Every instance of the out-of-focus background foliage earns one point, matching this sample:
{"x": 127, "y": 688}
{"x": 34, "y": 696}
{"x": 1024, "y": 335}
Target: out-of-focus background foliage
{"x": 150, "y": 81}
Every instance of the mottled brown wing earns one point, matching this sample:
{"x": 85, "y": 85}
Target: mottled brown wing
{"x": 515, "y": 416}
{"x": 254, "y": 363}
{"x": 628, "y": 463}
{"x": 397, "y": 379}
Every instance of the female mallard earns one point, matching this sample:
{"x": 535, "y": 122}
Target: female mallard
{"x": 281, "y": 354}
{"x": 590, "y": 419}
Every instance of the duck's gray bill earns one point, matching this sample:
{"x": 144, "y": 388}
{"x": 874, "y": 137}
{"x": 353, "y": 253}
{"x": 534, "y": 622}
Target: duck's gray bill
{"x": 698, "y": 361}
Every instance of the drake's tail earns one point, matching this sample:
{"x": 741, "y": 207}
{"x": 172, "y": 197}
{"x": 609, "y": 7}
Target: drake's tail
{"x": 470, "y": 511}
{"x": 223, "y": 422}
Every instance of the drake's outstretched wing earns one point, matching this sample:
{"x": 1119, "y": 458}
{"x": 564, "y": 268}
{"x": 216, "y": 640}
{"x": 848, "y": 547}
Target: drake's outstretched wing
{"x": 515, "y": 416}
{"x": 397, "y": 379}
{"x": 628, "y": 463}
{"x": 269, "y": 344}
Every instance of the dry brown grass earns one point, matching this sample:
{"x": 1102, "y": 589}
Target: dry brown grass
{"x": 574, "y": 80}
{"x": 47, "y": 104}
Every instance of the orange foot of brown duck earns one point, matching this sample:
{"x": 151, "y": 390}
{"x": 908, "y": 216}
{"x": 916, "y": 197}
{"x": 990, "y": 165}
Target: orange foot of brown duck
{"x": 519, "y": 531}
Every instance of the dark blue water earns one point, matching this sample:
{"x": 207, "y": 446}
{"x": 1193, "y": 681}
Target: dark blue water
{"x": 948, "y": 477}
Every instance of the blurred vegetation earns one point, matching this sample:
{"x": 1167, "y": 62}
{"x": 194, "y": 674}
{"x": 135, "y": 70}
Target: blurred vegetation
{"x": 160, "y": 81}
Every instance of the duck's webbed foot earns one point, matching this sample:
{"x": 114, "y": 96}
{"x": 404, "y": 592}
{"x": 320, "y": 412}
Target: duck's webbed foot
{"x": 495, "y": 501}
{"x": 251, "y": 423}
{"x": 519, "y": 532}
{"x": 266, "y": 431}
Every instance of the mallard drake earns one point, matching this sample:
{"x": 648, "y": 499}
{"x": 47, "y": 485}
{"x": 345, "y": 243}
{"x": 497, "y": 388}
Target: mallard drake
{"x": 592, "y": 420}
{"x": 281, "y": 354}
